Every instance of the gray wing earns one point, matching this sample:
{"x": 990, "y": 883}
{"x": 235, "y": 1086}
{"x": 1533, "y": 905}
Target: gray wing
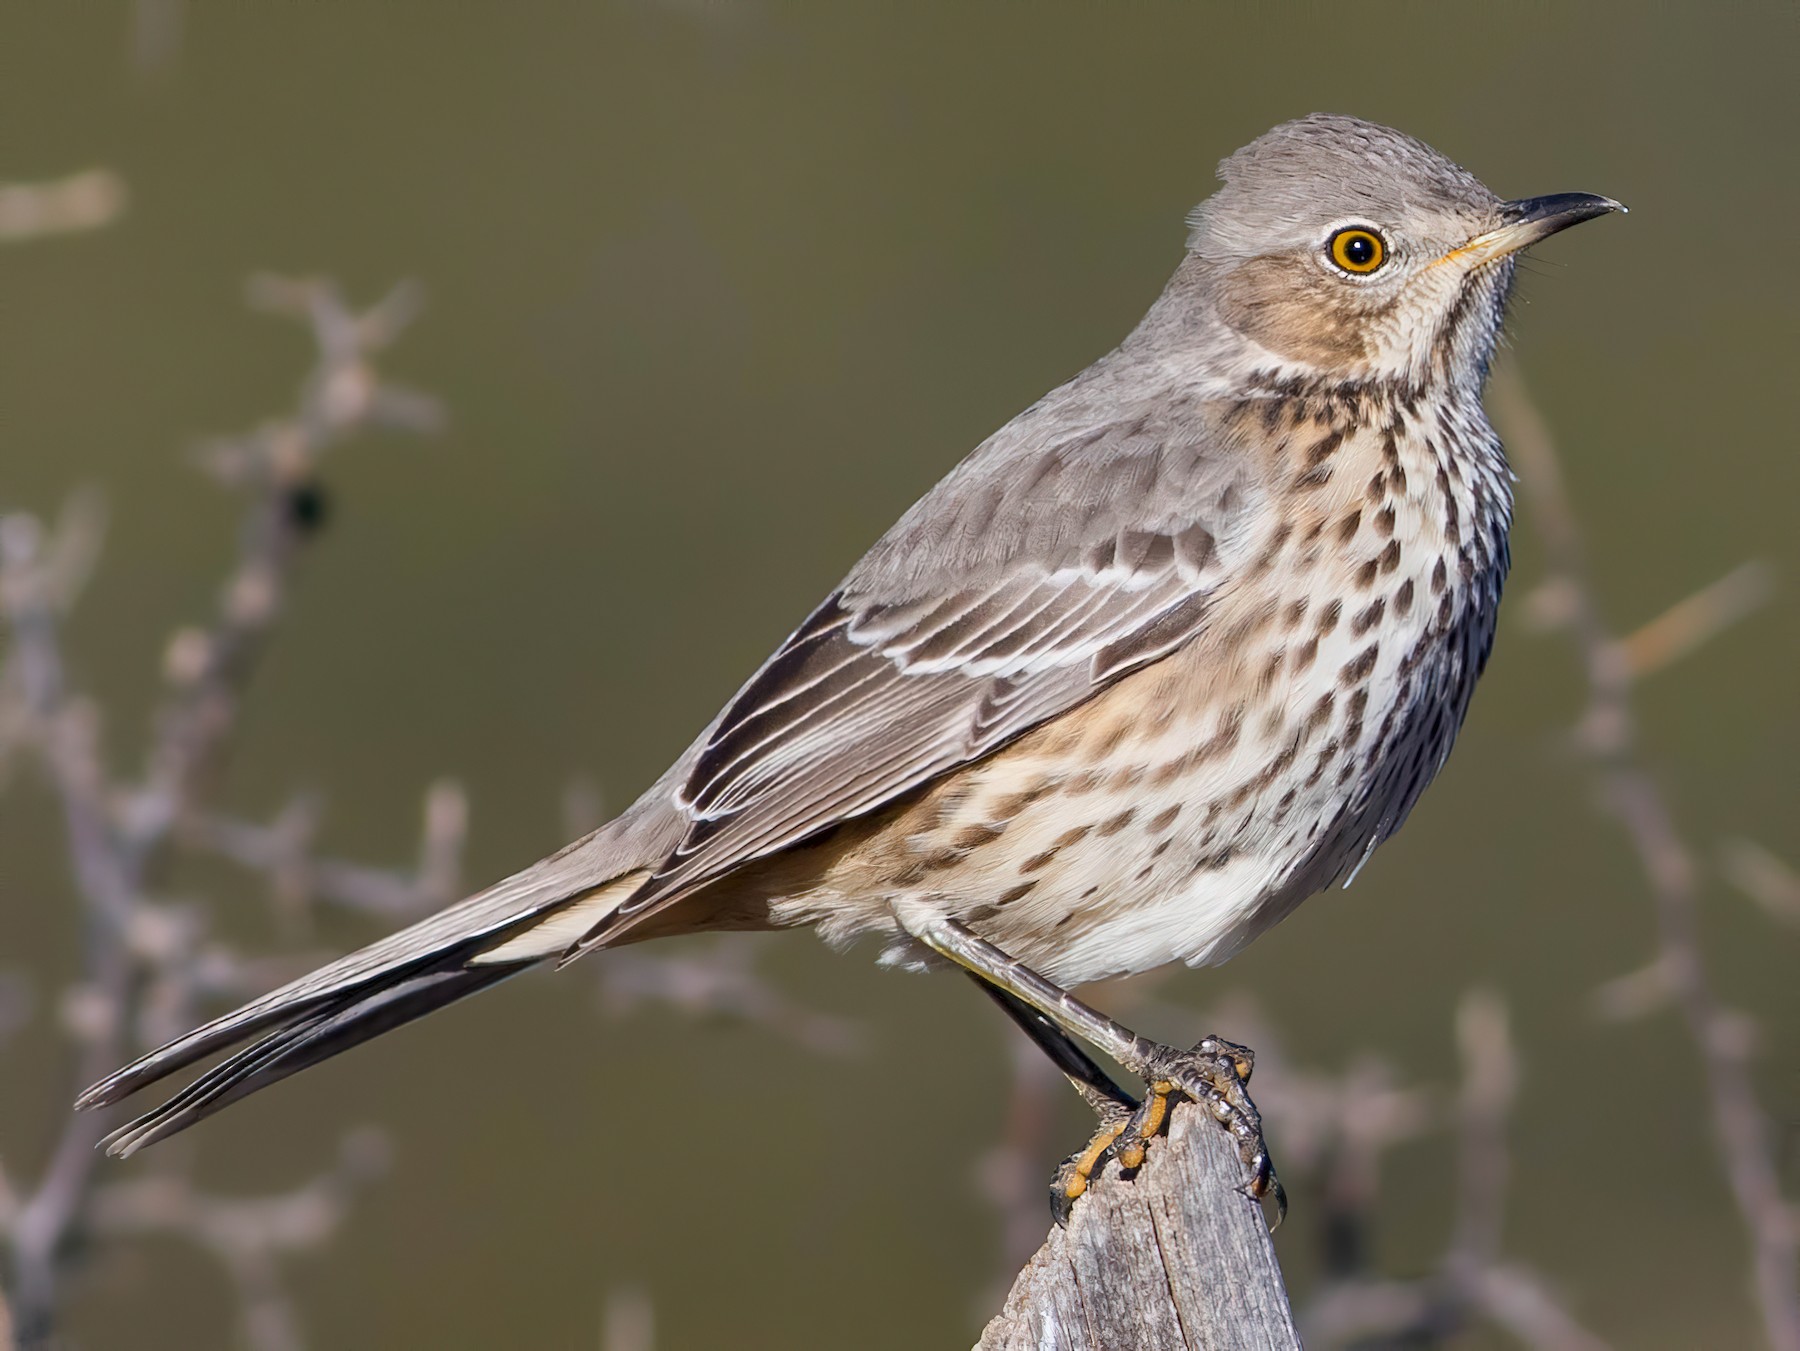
{"x": 1071, "y": 549}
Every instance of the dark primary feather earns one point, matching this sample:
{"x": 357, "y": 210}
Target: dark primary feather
{"x": 1078, "y": 544}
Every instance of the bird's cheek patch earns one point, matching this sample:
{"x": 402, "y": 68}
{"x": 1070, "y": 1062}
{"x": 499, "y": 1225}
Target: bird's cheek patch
{"x": 1290, "y": 307}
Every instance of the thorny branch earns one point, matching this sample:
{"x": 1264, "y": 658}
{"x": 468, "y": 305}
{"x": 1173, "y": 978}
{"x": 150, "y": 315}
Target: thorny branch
{"x": 1607, "y": 736}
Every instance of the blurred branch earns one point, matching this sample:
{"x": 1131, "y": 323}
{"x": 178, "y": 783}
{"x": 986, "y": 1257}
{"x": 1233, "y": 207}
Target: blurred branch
{"x": 1608, "y": 738}
{"x": 83, "y": 201}
{"x": 143, "y": 960}
{"x": 1763, "y": 877}
{"x": 299, "y": 879}
{"x": 1338, "y": 1128}
{"x": 718, "y": 979}
{"x": 247, "y": 1237}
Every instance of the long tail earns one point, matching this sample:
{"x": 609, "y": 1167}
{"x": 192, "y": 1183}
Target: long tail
{"x": 458, "y": 951}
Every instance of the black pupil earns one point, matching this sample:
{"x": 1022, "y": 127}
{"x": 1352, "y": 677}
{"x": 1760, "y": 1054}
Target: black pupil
{"x": 1360, "y": 250}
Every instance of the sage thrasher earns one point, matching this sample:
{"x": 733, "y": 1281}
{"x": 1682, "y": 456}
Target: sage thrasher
{"x": 1174, "y": 649}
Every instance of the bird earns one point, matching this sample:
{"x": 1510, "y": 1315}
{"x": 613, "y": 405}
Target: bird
{"x": 1176, "y": 648}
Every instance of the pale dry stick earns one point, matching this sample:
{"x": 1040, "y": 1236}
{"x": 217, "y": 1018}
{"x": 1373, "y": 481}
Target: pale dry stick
{"x": 1764, "y": 878}
{"x": 38, "y": 1225}
{"x": 82, "y": 201}
{"x": 1608, "y": 736}
{"x": 117, "y": 836}
{"x": 299, "y": 878}
{"x": 717, "y": 978}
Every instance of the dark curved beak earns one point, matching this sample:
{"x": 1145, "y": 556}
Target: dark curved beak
{"x": 1542, "y": 217}
{"x": 1530, "y": 219}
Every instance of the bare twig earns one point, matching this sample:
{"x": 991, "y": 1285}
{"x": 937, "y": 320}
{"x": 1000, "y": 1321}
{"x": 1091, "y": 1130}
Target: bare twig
{"x": 82, "y": 201}
{"x": 1608, "y": 736}
{"x": 1769, "y": 881}
{"x": 718, "y": 979}
{"x": 1473, "y": 1281}
{"x": 247, "y": 1237}
{"x": 140, "y": 955}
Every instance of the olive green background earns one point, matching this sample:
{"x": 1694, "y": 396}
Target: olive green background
{"x": 715, "y": 292}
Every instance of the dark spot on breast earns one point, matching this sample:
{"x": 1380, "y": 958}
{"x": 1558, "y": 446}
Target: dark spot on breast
{"x": 1326, "y": 757}
{"x": 1129, "y": 777}
{"x": 1368, "y": 617}
{"x": 1006, "y": 808}
{"x": 973, "y": 837}
{"x": 1324, "y": 448}
{"x": 1113, "y": 737}
{"x": 1348, "y": 527}
{"x": 1389, "y": 558}
{"x": 1316, "y": 477}
{"x": 1403, "y": 598}
{"x": 1114, "y": 824}
{"x": 1296, "y": 612}
{"x": 1365, "y": 575}
{"x": 981, "y": 914}
{"x": 1329, "y": 616}
{"x": 1384, "y": 520}
{"x": 1305, "y": 654}
{"x": 1164, "y": 819}
{"x": 1321, "y": 712}
{"x": 941, "y": 861}
{"x": 1016, "y": 893}
{"x": 1087, "y": 781}
{"x": 1440, "y": 577}
{"x": 1358, "y": 667}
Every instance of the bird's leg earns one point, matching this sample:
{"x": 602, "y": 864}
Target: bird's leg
{"x": 1094, "y": 1084}
{"x": 1115, "y": 1108}
{"x": 1213, "y": 1073}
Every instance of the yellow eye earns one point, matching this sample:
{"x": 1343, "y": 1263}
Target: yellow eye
{"x": 1357, "y": 250}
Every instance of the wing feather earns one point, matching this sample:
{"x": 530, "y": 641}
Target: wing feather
{"x": 1049, "y": 581}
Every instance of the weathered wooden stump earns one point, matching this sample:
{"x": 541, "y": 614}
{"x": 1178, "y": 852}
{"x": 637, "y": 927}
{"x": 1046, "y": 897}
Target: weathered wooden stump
{"x": 1176, "y": 1258}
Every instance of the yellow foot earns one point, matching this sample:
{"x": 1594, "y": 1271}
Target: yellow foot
{"x": 1214, "y": 1073}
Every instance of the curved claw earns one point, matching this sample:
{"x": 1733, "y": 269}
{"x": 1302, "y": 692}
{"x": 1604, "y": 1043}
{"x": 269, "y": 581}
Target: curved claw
{"x": 1212, "y": 1074}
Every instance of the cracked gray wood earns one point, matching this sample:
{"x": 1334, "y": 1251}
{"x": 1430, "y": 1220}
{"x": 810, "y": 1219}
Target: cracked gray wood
{"x": 1177, "y": 1257}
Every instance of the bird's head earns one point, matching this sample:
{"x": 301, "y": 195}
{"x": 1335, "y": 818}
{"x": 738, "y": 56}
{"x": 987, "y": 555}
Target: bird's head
{"x": 1345, "y": 250}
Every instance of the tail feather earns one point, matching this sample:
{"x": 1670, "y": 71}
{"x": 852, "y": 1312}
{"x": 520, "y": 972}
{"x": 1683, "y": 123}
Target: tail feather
{"x": 442, "y": 958}
{"x": 334, "y": 1026}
